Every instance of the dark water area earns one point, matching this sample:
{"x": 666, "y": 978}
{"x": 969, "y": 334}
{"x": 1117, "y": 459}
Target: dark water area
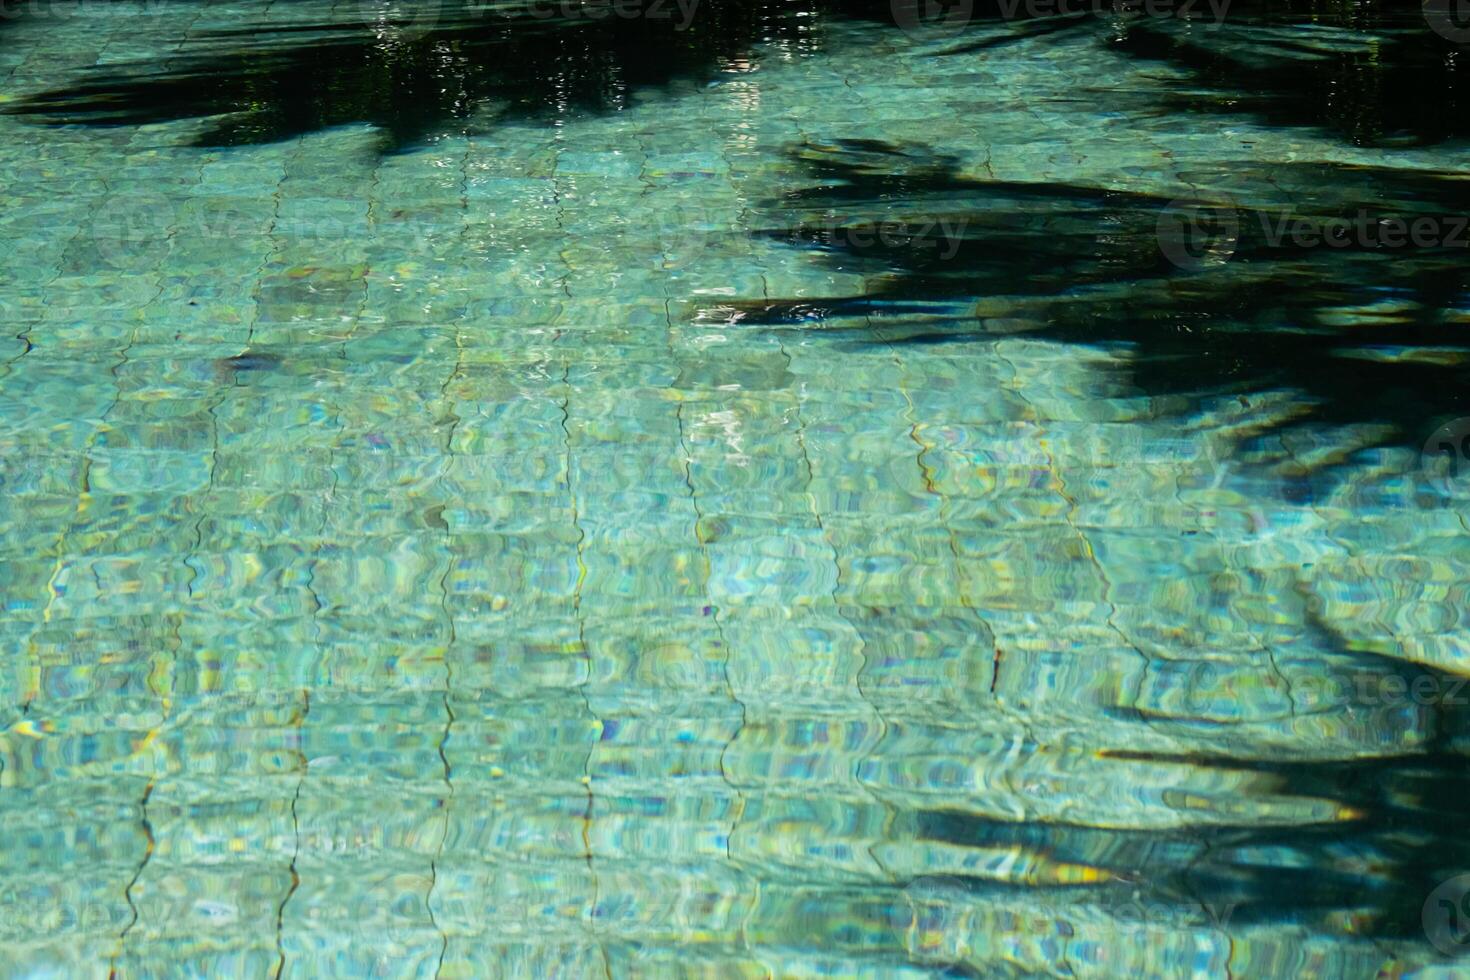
{"x": 1248, "y": 311}
{"x": 1373, "y": 871}
{"x": 423, "y": 73}
{"x": 1372, "y": 73}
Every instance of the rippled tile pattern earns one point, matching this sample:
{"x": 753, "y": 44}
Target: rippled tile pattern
{"x": 412, "y": 565}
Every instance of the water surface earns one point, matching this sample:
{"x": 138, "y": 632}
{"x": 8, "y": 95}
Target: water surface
{"x": 497, "y": 494}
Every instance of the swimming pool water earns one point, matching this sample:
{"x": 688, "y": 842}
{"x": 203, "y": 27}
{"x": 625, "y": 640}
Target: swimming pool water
{"x": 753, "y": 502}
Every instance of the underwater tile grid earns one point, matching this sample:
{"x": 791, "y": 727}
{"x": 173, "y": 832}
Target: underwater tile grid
{"x": 547, "y": 541}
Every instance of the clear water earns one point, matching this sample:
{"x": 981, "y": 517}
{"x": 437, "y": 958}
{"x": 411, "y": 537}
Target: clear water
{"x": 472, "y": 506}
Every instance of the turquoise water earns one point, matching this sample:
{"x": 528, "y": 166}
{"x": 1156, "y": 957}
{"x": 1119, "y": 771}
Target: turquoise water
{"x": 494, "y": 516}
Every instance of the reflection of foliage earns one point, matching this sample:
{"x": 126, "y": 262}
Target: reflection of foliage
{"x": 1402, "y": 811}
{"x": 272, "y": 83}
{"x": 1372, "y": 73}
{"x": 1034, "y": 256}
{"x": 1361, "y": 337}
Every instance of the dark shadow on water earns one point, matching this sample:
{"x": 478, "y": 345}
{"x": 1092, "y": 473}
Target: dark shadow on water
{"x": 1374, "y": 73}
{"x": 1371, "y": 72}
{"x": 1397, "y": 832}
{"x": 1198, "y": 300}
{"x": 417, "y": 77}
{"x": 1375, "y": 868}
{"x": 1197, "y": 305}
